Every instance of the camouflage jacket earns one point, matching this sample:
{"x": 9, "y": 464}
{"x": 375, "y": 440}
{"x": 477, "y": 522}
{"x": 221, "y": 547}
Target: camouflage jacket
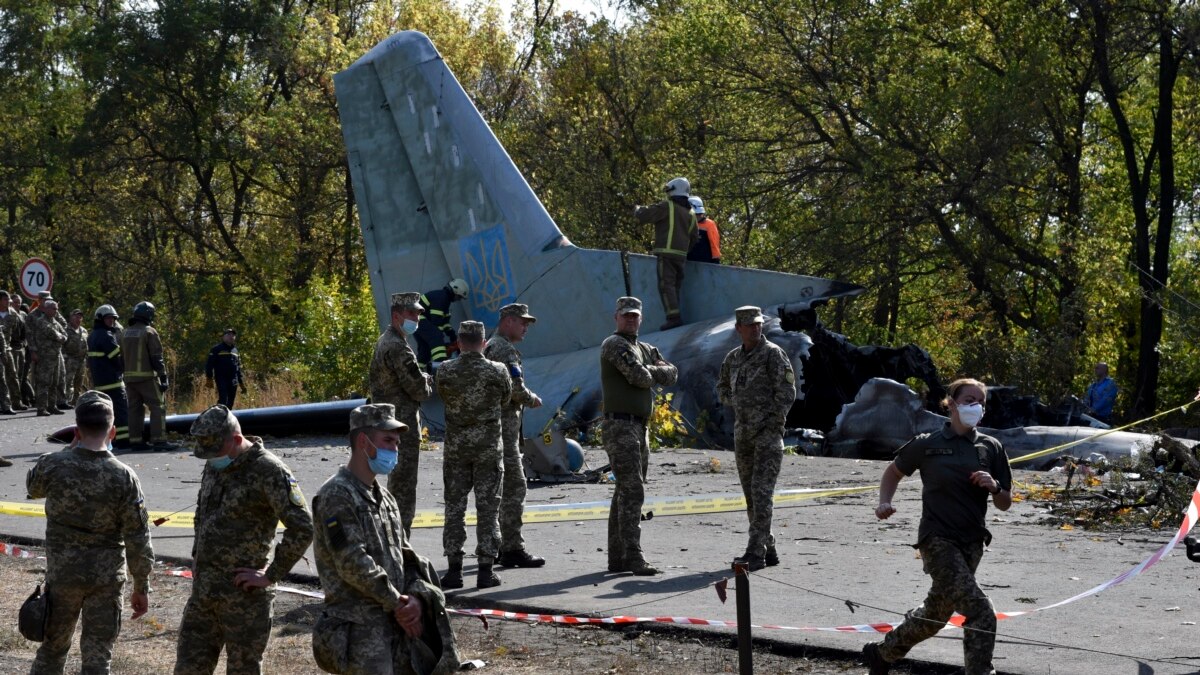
{"x": 95, "y": 518}
{"x": 76, "y": 345}
{"x": 759, "y": 384}
{"x": 4, "y": 347}
{"x": 473, "y": 389}
{"x": 395, "y": 375}
{"x": 236, "y": 516}
{"x": 500, "y": 350}
{"x": 363, "y": 559}
{"x": 46, "y": 336}
{"x": 14, "y": 324}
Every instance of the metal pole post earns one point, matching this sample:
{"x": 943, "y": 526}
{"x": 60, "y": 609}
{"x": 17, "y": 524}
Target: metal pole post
{"x": 745, "y": 647}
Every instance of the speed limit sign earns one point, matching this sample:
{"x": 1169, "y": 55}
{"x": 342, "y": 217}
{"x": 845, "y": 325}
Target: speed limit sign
{"x": 35, "y": 277}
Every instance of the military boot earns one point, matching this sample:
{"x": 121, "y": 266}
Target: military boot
{"x": 876, "y": 665}
{"x": 520, "y": 558}
{"x": 642, "y": 568}
{"x": 772, "y": 556}
{"x": 486, "y": 578}
{"x": 453, "y": 577}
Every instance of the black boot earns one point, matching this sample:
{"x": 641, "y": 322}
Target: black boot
{"x": 486, "y": 578}
{"x": 772, "y": 556}
{"x": 520, "y": 558}
{"x": 453, "y": 577}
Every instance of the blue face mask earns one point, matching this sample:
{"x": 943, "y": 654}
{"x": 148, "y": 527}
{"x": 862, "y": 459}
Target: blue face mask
{"x": 220, "y": 463}
{"x": 409, "y": 326}
{"x": 384, "y": 462}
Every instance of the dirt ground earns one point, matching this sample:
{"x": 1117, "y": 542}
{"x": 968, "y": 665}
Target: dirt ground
{"x": 147, "y": 646}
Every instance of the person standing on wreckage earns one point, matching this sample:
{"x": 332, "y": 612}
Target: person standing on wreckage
{"x": 758, "y": 382}
{"x": 960, "y": 470}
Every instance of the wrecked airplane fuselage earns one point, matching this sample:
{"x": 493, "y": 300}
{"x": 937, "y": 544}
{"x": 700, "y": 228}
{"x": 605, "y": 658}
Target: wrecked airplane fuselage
{"x": 886, "y": 414}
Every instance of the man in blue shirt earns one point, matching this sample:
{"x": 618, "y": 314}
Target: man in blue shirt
{"x": 1101, "y": 395}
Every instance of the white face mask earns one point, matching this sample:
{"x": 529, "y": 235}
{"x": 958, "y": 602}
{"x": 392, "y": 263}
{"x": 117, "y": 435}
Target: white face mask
{"x": 970, "y": 414}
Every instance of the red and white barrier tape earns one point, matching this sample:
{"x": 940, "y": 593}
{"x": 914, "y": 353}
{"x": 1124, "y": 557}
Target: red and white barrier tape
{"x": 16, "y": 551}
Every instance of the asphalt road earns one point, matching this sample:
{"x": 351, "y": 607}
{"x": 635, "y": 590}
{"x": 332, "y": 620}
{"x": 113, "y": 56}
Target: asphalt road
{"x": 832, "y": 550}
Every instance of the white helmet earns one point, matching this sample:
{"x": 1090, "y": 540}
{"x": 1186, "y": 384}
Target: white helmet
{"x": 678, "y": 187}
{"x": 459, "y": 287}
{"x": 697, "y": 205}
{"x": 106, "y": 310}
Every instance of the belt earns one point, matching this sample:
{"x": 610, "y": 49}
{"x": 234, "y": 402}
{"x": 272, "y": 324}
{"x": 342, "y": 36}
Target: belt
{"x": 625, "y": 416}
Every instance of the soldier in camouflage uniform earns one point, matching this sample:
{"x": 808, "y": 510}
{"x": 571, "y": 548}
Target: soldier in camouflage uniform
{"x": 961, "y": 469}
{"x": 20, "y": 344}
{"x": 515, "y": 320}
{"x": 628, "y": 371}
{"x": 6, "y": 407}
{"x": 757, "y": 381}
{"x": 59, "y": 398}
{"x": 396, "y": 378}
{"x": 95, "y": 521}
{"x": 474, "y": 390}
{"x": 14, "y": 329}
{"x": 46, "y": 353}
{"x": 75, "y": 353}
{"x": 245, "y": 492}
{"x": 383, "y": 611}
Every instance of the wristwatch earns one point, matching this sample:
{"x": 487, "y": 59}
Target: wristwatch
{"x": 998, "y": 490}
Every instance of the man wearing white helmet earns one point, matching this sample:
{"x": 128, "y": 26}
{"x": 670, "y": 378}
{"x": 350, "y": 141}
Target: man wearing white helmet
{"x": 107, "y": 368}
{"x": 436, "y": 338}
{"x": 674, "y": 232}
{"x": 707, "y": 248}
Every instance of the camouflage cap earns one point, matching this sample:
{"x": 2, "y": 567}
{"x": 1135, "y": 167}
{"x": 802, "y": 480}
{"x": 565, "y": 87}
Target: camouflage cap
{"x": 43, "y": 295}
{"x": 748, "y": 314}
{"x": 471, "y": 330}
{"x": 380, "y": 416}
{"x": 210, "y": 430}
{"x": 409, "y": 300}
{"x": 92, "y": 400}
{"x": 229, "y": 331}
{"x": 77, "y": 312}
{"x": 628, "y": 305}
{"x": 518, "y": 310}
{"x": 93, "y": 411}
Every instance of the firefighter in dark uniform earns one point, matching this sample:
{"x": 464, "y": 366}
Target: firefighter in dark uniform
{"x": 224, "y": 367}
{"x": 435, "y": 334}
{"x": 107, "y": 367}
{"x": 143, "y": 352}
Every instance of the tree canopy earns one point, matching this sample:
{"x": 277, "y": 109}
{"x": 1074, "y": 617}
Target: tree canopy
{"x": 1016, "y": 184}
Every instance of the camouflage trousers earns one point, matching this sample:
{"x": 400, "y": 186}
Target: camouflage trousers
{"x": 76, "y": 369}
{"x": 142, "y": 395}
{"x": 45, "y": 380}
{"x": 62, "y": 379}
{"x": 512, "y": 500}
{"x": 952, "y": 566}
{"x": 21, "y": 360}
{"x": 402, "y": 481}
{"x": 241, "y": 623}
{"x": 473, "y": 461}
{"x": 670, "y": 280}
{"x": 12, "y": 382}
{"x": 7, "y": 401}
{"x": 100, "y": 607}
{"x": 628, "y": 448}
{"x": 759, "y": 453}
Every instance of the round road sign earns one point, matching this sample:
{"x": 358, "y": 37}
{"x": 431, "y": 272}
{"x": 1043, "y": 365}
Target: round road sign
{"x": 35, "y": 277}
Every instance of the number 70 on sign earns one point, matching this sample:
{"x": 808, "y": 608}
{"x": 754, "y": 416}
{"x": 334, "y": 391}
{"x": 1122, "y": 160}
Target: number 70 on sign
{"x": 35, "y": 277}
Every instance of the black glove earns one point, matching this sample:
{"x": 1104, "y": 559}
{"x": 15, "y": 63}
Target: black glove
{"x": 163, "y": 383}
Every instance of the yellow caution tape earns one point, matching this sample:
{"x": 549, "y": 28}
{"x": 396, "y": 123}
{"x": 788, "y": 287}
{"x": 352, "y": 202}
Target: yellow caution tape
{"x": 543, "y": 513}
{"x": 1058, "y": 448}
